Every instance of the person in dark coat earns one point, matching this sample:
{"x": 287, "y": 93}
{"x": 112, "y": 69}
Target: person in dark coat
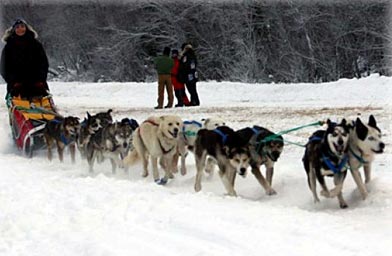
{"x": 179, "y": 88}
{"x": 24, "y": 64}
{"x": 187, "y": 72}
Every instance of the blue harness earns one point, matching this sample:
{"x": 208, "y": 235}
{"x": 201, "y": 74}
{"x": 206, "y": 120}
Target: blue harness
{"x": 335, "y": 169}
{"x": 62, "y": 135}
{"x": 189, "y": 133}
{"x": 224, "y": 136}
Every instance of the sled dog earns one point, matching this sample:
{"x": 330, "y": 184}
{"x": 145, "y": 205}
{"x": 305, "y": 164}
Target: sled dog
{"x": 109, "y": 142}
{"x": 186, "y": 140}
{"x": 155, "y": 138}
{"x": 265, "y": 149}
{"x": 90, "y": 126}
{"x": 229, "y": 150}
{"x": 326, "y": 154}
{"x": 62, "y": 132}
{"x": 365, "y": 141}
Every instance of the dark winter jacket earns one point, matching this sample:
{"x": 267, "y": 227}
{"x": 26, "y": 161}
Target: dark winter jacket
{"x": 187, "y": 71}
{"x": 23, "y": 60}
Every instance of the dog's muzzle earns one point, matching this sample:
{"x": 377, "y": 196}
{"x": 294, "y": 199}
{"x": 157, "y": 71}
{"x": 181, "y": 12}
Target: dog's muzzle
{"x": 381, "y": 147}
{"x": 274, "y": 155}
{"x": 242, "y": 172}
{"x": 174, "y": 133}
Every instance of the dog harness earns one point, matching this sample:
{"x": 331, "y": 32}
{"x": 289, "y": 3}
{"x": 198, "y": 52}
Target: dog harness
{"x": 164, "y": 151}
{"x": 335, "y": 168}
{"x": 63, "y": 137}
{"x": 224, "y": 136}
{"x": 359, "y": 158}
{"x": 190, "y": 133}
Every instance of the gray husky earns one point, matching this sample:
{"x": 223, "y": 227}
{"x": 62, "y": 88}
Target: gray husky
{"x": 365, "y": 141}
{"x": 109, "y": 142}
{"x": 89, "y": 127}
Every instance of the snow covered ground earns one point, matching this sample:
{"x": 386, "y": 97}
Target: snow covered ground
{"x": 53, "y": 208}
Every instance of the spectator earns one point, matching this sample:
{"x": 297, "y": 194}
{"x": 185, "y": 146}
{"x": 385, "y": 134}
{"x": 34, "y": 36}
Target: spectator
{"x": 188, "y": 72}
{"x": 179, "y": 88}
{"x": 24, "y": 64}
{"x": 163, "y": 65}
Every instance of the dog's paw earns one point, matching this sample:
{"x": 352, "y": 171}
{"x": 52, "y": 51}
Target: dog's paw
{"x": 197, "y": 187}
{"x": 325, "y": 193}
{"x": 144, "y": 174}
{"x": 364, "y": 195}
{"x": 270, "y": 192}
{"x": 335, "y": 192}
{"x": 162, "y": 181}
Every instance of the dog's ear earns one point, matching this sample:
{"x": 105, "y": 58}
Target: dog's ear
{"x": 110, "y": 111}
{"x": 343, "y": 122}
{"x": 361, "y": 129}
{"x": 226, "y": 150}
{"x": 372, "y": 121}
{"x": 162, "y": 118}
{"x": 88, "y": 115}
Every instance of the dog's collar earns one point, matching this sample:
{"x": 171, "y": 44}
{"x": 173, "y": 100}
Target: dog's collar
{"x": 335, "y": 168}
{"x": 224, "y": 136}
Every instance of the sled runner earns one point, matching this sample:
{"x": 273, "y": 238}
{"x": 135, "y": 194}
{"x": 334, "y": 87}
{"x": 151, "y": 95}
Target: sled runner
{"x": 28, "y": 119}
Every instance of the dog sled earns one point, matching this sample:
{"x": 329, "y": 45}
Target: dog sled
{"x": 28, "y": 119}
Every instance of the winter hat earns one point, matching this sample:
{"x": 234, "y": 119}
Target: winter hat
{"x": 19, "y": 21}
{"x": 166, "y": 51}
{"x": 174, "y": 52}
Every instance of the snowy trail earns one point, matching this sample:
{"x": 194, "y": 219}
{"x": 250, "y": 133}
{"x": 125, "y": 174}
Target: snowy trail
{"x": 49, "y": 208}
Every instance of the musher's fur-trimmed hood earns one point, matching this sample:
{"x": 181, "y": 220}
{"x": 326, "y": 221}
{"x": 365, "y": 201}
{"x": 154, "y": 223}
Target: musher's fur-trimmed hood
{"x": 10, "y": 32}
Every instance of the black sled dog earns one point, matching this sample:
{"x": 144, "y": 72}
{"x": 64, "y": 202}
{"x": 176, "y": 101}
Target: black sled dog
{"x": 230, "y": 151}
{"x": 265, "y": 149}
{"x": 326, "y": 154}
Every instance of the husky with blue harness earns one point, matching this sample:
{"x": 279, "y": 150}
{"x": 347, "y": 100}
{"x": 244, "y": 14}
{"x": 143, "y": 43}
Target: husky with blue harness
{"x": 230, "y": 151}
{"x": 265, "y": 149}
{"x": 365, "y": 141}
{"x": 63, "y": 132}
{"x": 326, "y": 154}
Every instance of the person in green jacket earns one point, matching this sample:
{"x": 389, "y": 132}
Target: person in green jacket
{"x": 163, "y": 65}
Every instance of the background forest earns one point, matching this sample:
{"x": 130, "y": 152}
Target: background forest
{"x": 245, "y": 40}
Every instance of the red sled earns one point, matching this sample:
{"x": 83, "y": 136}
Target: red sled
{"x": 28, "y": 119}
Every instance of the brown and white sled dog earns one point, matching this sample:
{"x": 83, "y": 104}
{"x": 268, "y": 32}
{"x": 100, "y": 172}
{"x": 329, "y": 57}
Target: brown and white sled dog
{"x": 229, "y": 150}
{"x": 62, "y": 132}
{"x": 326, "y": 154}
{"x": 155, "y": 138}
{"x": 265, "y": 149}
{"x": 365, "y": 141}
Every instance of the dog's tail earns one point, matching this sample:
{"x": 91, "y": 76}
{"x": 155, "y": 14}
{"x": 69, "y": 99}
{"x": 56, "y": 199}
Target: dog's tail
{"x": 131, "y": 158}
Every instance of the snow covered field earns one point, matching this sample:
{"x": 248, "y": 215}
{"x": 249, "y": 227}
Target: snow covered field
{"x": 53, "y": 208}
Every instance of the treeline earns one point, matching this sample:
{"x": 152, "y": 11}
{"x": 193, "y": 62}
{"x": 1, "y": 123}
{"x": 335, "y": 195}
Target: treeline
{"x": 250, "y": 41}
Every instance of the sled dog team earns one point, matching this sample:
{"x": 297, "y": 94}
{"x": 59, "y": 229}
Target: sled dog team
{"x": 163, "y": 140}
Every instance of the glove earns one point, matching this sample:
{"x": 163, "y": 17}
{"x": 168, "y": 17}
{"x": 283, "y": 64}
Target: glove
{"x": 16, "y": 89}
{"x": 17, "y": 86}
